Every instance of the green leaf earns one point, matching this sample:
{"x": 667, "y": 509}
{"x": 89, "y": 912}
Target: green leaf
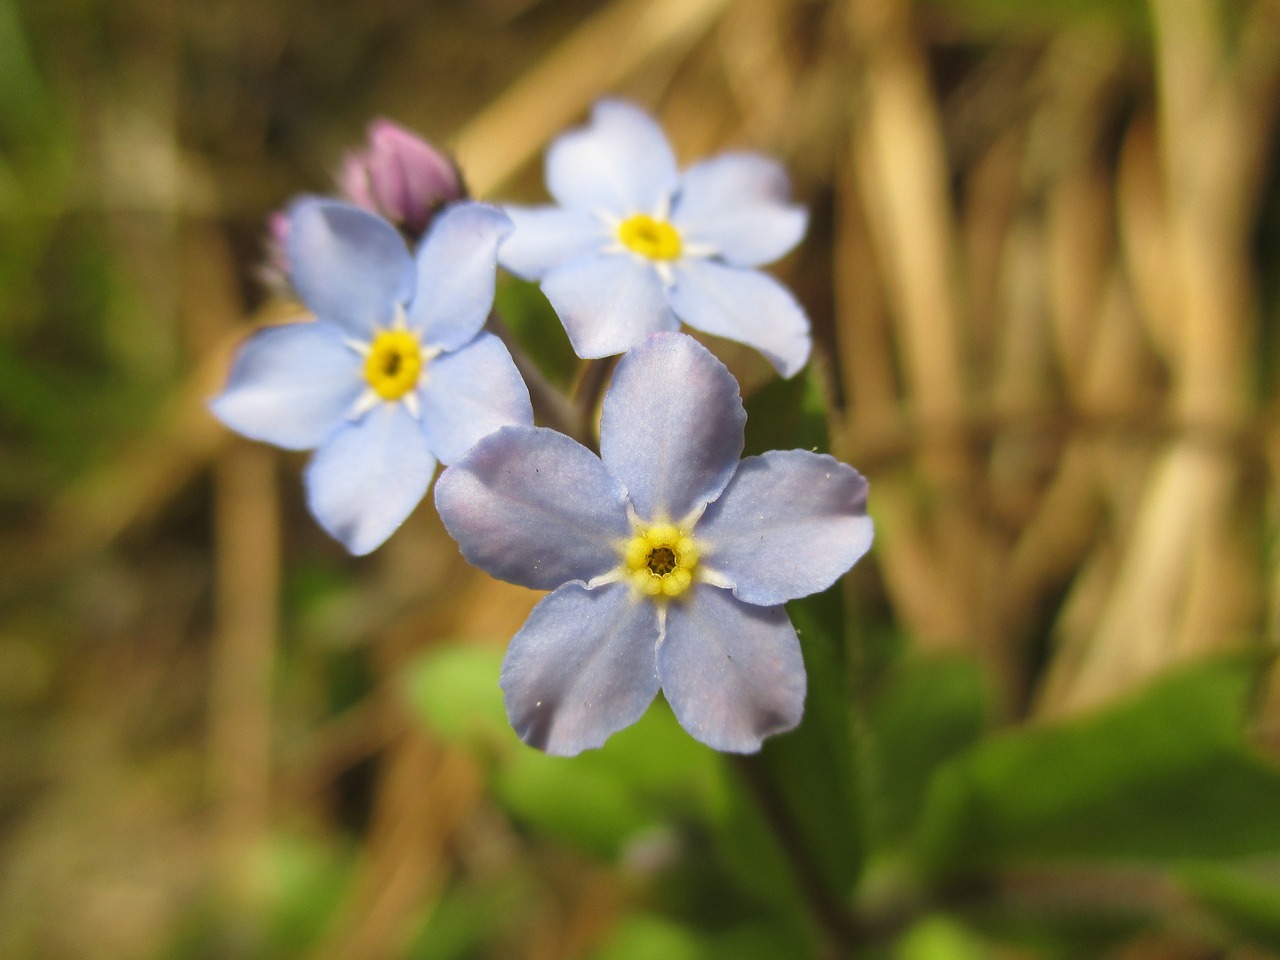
{"x": 455, "y": 690}
{"x": 601, "y": 800}
{"x": 645, "y": 937}
{"x": 649, "y": 937}
{"x": 537, "y": 329}
{"x": 788, "y": 415}
{"x": 469, "y": 920}
{"x": 573, "y": 799}
{"x": 1247, "y": 901}
{"x": 1165, "y": 775}
{"x": 813, "y": 766}
{"x": 302, "y": 881}
{"x": 925, "y": 712}
{"x": 939, "y": 938}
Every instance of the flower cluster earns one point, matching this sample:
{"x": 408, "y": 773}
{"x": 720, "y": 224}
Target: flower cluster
{"x": 668, "y": 557}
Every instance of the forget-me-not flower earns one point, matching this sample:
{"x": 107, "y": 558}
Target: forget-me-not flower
{"x": 668, "y": 558}
{"x": 635, "y": 246}
{"x": 393, "y": 375}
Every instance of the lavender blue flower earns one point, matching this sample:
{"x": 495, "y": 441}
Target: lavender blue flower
{"x": 668, "y": 558}
{"x": 634, "y": 246}
{"x": 393, "y": 375}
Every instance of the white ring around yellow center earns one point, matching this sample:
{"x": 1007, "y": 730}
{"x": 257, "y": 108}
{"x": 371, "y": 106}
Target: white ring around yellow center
{"x": 393, "y": 364}
{"x": 660, "y": 560}
{"x": 654, "y": 239}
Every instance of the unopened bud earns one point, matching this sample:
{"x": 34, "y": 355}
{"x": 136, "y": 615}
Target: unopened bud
{"x": 400, "y": 176}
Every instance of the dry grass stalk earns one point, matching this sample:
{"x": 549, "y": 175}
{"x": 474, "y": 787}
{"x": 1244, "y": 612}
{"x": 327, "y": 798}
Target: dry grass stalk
{"x": 247, "y": 549}
{"x": 514, "y": 128}
{"x": 1169, "y": 602}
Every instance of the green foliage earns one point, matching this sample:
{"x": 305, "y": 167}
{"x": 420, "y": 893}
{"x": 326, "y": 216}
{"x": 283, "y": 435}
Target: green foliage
{"x": 598, "y": 801}
{"x": 1248, "y": 901}
{"x": 788, "y": 415}
{"x": 463, "y": 921}
{"x": 925, "y": 712}
{"x": 536, "y": 327}
{"x": 939, "y": 938}
{"x": 455, "y": 691}
{"x": 1163, "y": 776}
{"x": 648, "y": 937}
{"x": 813, "y": 766}
{"x": 301, "y": 881}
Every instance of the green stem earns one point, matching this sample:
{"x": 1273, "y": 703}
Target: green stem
{"x": 550, "y": 407}
{"x": 840, "y": 930}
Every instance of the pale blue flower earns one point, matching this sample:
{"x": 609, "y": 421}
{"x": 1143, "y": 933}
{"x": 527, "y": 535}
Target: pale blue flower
{"x": 393, "y": 375}
{"x": 668, "y": 558}
{"x": 635, "y": 247}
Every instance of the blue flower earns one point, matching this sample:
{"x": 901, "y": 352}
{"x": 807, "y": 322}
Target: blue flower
{"x": 635, "y": 247}
{"x": 668, "y": 558}
{"x": 393, "y": 374}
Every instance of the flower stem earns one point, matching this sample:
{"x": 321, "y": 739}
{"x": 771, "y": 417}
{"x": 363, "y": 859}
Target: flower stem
{"x": 838, "y": 926}
{"x": 587, "y": 392}
{"x": 550, "y": 407}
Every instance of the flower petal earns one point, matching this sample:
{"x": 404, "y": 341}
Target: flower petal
{"x": 470, "y": 393}
{"x": 581, "y": 668}
{"x": 531, "y": 506}
{"x": 368, "y": 477}
{"x": 788, "y": 525}
{"x": 672, "y": 426}
{"x": 743, "y": 305}
{"x": 546, "y": 237}
{"x": 608, "y": 303}
{"x": 350, "y": 267}
{"x": 732, "y": 672}
{"x": 620, "y": 163}
{"x": 290, "y": 385}
{"x": 456, "y": 267}
{"x": 739, "y": 203}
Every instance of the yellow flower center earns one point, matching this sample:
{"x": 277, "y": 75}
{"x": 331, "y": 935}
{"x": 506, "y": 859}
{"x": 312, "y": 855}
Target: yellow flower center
{"x": 655, "y": 239}
{"x": 660, "y": 560}
{"x": 394, "y": 364}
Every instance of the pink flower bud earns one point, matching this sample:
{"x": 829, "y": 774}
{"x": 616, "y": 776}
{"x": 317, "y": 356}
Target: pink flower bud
{"x": 274, "y": 270}
{"x": 399, "y": 176}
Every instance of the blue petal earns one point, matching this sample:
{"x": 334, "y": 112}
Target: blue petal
{"x": 620, "y": 164}
{"x": 581, "y": 668}
{"x": 788, "y": 525}
{"x": 732, "y": 672}
{"x": 469, "y": 394}
{"x": 348, "y": 266}
{"x": 672, "y": 426}
{"x": 739, "y": 203}
{"x": 531, "y": 506}
{"x": 367, "y": 478}
{"x": 546, "y": 237}
{"x": 608, "y": 303}
{"x": 291, "y": 385}
{"x": 456, "y": 267}
{"x": 743, "y": 305}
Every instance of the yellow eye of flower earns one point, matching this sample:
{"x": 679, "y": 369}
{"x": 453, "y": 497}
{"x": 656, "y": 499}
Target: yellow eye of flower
{"x": 660, "y": 560}
{"x": 394, "y": 364}
{"x": 655, "y": 239}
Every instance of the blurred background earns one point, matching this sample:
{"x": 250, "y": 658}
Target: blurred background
{"x": 1044, "y": 274}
